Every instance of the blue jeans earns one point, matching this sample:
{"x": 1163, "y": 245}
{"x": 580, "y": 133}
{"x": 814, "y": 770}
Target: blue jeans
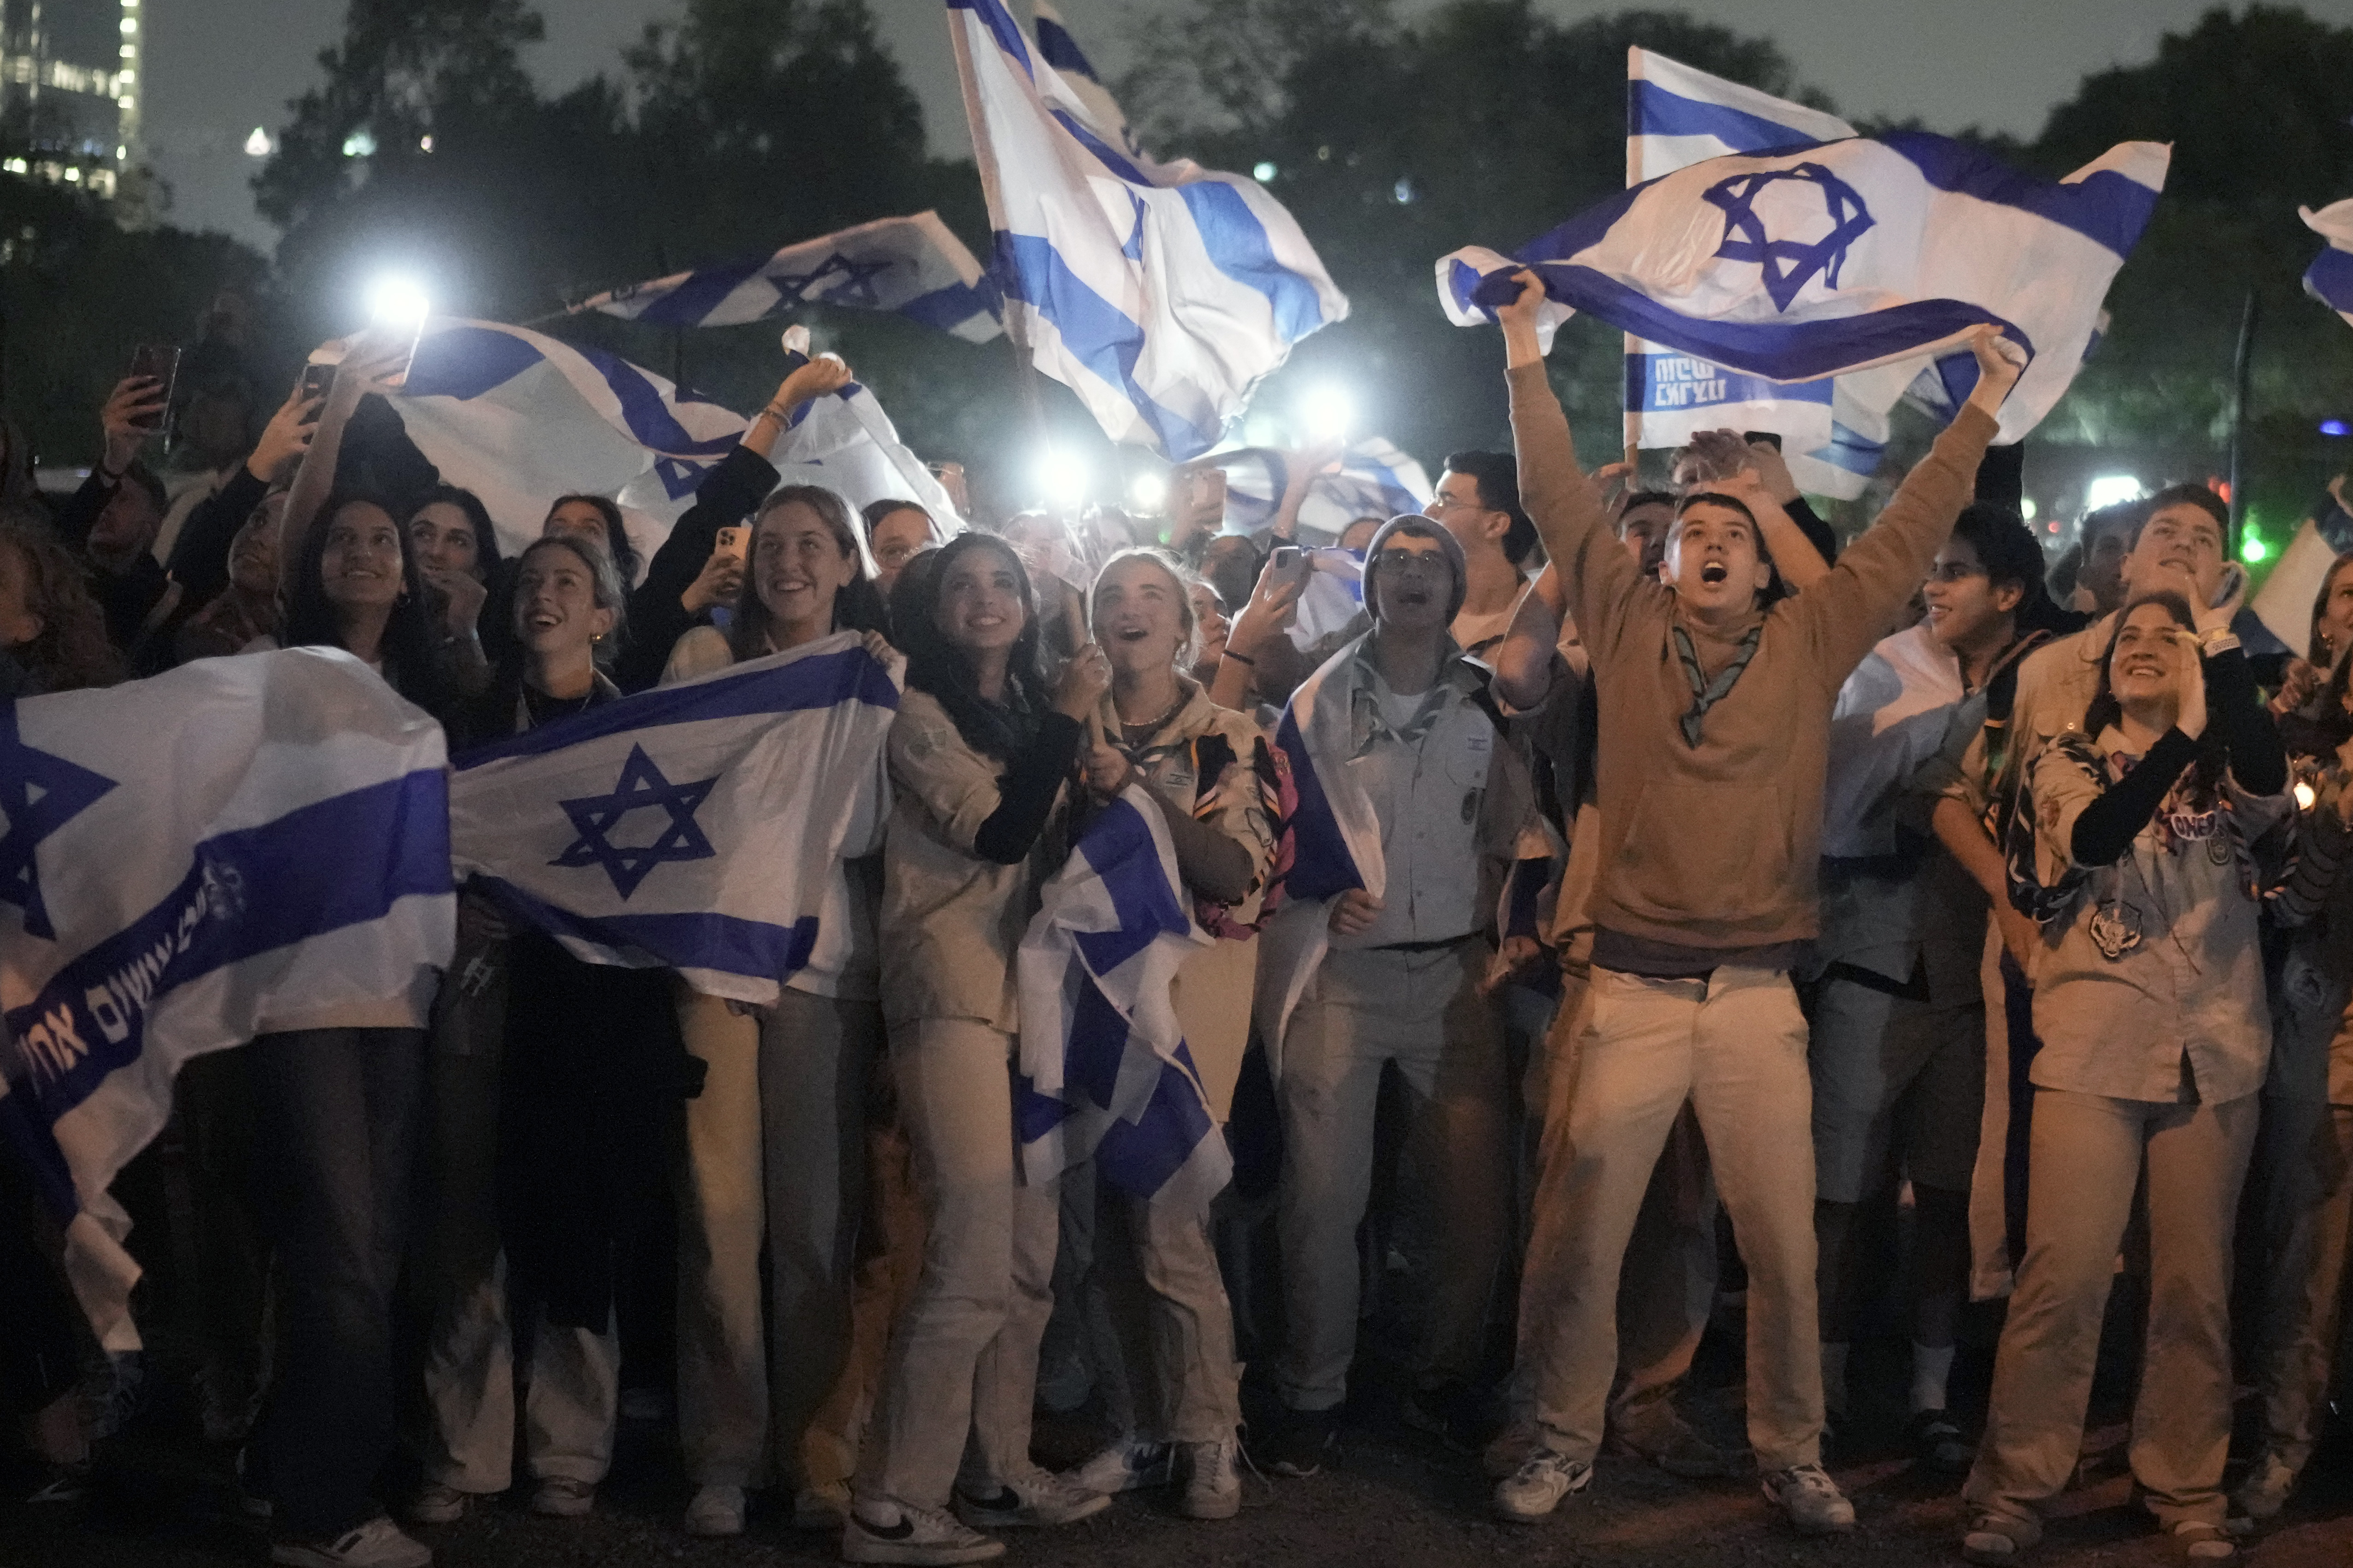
{"x": 337, "y": 1114}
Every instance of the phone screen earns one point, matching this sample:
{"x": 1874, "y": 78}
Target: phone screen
{"x": 1771, "y": 437}
{"x": 159, "y": 362}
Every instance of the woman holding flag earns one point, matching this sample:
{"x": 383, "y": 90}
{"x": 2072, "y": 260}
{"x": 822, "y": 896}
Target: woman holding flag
{"x": 776, "y": 1144}
{"x": 1158, "y": 1303}
{"x": 979, "y": 755}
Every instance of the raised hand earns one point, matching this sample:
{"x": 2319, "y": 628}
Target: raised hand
{"x": 1084, "y": 681}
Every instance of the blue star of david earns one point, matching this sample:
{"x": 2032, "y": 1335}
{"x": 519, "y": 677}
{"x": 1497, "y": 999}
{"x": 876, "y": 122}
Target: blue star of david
{"x": 1789, "y": 265}
{"x": 38, "y": 794}
{"x": 856, "y": 288}
{"x": 641, "y": 787}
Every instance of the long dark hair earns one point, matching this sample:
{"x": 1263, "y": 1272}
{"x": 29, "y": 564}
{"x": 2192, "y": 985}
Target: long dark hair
{"x": 2105, "y": 710}
{"x": 70, "y": 652}
{"x": 857, "y": 605}
{"x": 2323, "y": 724}
{"x": 617, "y": 537}
{"x": 411, "y": 644}
{"x": 938, "y": 667}
{"x": 486, "y": 534}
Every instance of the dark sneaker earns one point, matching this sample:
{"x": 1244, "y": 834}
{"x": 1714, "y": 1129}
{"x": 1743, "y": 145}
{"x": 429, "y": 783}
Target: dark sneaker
{"x": 1303, "y": 1444}
{"x": 1938, "y": 1443}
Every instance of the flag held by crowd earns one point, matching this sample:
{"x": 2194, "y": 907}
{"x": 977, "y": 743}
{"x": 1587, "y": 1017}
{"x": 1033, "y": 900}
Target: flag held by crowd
{"x": 188, "y": 860}
{"x": 2329, "y": 279}
{"x": 1106, "y": 1075}
{"x": 1372, "y": 479}
{"x": 911, "y": 266}
{"x": 694, "y": 826}
{"x": 1846, "y": 256}
{"x": 1160, "y": 293}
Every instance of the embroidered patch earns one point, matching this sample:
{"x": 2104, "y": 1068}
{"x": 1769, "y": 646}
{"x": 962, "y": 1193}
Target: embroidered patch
{"x": 2115, "y": 928}
{"x": 928, "y": 741}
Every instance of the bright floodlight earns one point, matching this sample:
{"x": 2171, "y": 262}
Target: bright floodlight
{"x": 2026, "y": 508}
{"x": 2253, "y": 549}
{"x": 1327, "y": 410}
{"x": 398, "y": 302}
{"x": 1060, "y": 477}
{"x": 1147, "y": 491}
{"x": 1262, "y": 172}
{"x": 257, "y": 145}
{"x": 2111, "y": 490}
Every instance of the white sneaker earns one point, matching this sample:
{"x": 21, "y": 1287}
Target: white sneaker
{"x": 378, "y": 1543}
{"x": 1510, "y": 1449}
{"x": 436, "y": 1504}
{"x": 1535, "y": 1489}
{"x": 1126, "y": 1465}
{"x": 1038, "y": 1497}
{"x": 715, "y": 1511}
{"x": 1213, "y": 1486}
{"x": 2265, "y": 1490}
{"x": 881, "y": 1531}
{"x": 1810, "y": 1499}
{"x": 561, "y": 1497}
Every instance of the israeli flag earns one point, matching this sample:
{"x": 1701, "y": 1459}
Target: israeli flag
{"x": 1079, "y": 85}
{"x": 1374, "y": 479}
{"x": 1847, "y": 255}
{"x": 1106, "y": 1072}
{"x": 1160, "y": 293}
{"x": 911, "y": 266}
{"x": 2329, "y": 279}
{"x": 1333, "y": 599}
{"x": 1335, "y": 841}
{"x": 189, "y": 861}
{"x": 696, "y": 826}
{"x": 520, "y": 418}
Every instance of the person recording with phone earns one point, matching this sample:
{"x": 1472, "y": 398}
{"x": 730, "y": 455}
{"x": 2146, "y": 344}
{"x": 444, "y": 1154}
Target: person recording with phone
{"x": 111, "y": 522}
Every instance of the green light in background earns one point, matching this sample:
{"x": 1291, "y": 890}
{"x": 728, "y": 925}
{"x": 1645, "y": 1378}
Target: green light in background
{"x": 2253, "y": 549}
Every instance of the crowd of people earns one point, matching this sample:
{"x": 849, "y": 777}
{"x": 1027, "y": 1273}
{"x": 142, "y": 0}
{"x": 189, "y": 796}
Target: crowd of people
{"x": 1683, "y": 856}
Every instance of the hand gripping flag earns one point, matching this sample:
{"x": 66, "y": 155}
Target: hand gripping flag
{"x": 911, "y": 267}
{"x": 1160, "y": 293}
{"x": 1106, "y": 1072}
{"x": 695, "y": 827}
{"x": 1846, "y": 256}
{"x": 520, "y": 418}
{"x": 1675, "y": 117}
{"x": 2329, "y": 279}
{"x": 1374, "y": 479}
{"x": 189, "y": 861}
{"x": 846, "y": 443}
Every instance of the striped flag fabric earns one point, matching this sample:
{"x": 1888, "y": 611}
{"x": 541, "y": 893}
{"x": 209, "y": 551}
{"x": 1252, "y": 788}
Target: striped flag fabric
{"x": 695, "y": 827}
{"x": 187, "y": 861}
{"x": 1375, "y": 478}
{"x": 911, "y": 267}
{"x": 1105, "y": 1074}
{"x": 2329, "y": 279}
{"x": 1160, "y": 293}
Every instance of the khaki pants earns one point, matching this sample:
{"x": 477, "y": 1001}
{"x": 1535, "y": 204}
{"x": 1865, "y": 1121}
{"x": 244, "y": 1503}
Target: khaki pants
{"x": 963, "y": 1362}
{"x": 889, "y": 1263}
{"x": 1667, "y": 1284}
{"x": 2086, "y": 1159}
{"x": 1734, "y": 1045}
{"x": 1365, "y": 1008}
{"x": 776, "y": 1147}
{"x": 2311, "y": 1213}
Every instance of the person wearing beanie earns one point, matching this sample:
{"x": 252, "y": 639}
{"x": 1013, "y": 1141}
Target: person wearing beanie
{"x": 1395, "y": 742}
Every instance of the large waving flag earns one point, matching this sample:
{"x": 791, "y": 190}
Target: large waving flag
{"x": 520, "y": 418}
{"x": 1106, "y": 1075}
{"x": 1160, "y": 293}
{"x": 695, "y": 827}
{"x": 911, "y": 266}
{"x": 1675, "y": 117}
{"x": 1844, "y": 257}
{"x": 187, "y": 861}
{"x": 2329, "y": 279}
{"x": 1374, "y": 479}
{"x": 1081, "y": 86}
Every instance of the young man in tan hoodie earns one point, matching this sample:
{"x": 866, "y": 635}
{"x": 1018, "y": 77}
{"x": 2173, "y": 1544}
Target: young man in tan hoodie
{"x": 1714, "y": 735}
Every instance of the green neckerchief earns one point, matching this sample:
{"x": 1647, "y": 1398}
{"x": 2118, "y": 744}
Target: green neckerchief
{"x": 1706, "y": 693}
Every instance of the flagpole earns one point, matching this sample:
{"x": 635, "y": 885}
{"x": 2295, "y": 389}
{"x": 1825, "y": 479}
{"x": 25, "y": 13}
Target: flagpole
{"x": 2241, "y": 367}
{"x": 1633, "y": 436}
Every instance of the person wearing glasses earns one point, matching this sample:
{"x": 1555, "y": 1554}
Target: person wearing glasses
{"x": 1396, "y": 725}
{"x": 1478, "y": 501}
{"x": 1713, "y": 718}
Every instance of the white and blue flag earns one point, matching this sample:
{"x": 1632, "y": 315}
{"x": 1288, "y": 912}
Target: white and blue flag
{"x": 520, "y": 418}
{"x": 1675, "y": 117}
{"x": 1372, "y": 479}
{"x": 1105, "y": 1074}
{"x": 1844, "y": 257}
{"x": 189, "y": 861}
{"x": 911, "y": 266}
{"x": 1078, "y": 83}
{"x": 696, "y": 826}
{"x": 2329, "y": 279}
{"x": 1160, "y": 293}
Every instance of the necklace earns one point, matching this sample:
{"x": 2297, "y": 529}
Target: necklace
{"x": 1160, "y": 723}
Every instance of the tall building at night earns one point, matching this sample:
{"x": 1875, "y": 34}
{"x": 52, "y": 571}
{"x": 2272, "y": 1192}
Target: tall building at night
{"x": 71, "y": 78}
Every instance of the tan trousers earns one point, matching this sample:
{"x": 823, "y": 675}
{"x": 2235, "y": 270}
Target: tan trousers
{"x": 962, "y": 1365}
{"x": 2084, "y": 1159}
{"x": 775, "y": 1148}
{"x": 1364, "y": 1009}
{"x": 1734, "y": 1045}
{"x": 2311, "y": 1213}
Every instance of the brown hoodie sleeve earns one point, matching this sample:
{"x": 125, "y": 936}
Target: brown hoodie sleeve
{"x": 1853, "y": 607}
{"x": 1599, "y": 578}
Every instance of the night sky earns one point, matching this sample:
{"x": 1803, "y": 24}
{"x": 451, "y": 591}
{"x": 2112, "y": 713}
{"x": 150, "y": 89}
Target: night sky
{"x": 216, "y": 69}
